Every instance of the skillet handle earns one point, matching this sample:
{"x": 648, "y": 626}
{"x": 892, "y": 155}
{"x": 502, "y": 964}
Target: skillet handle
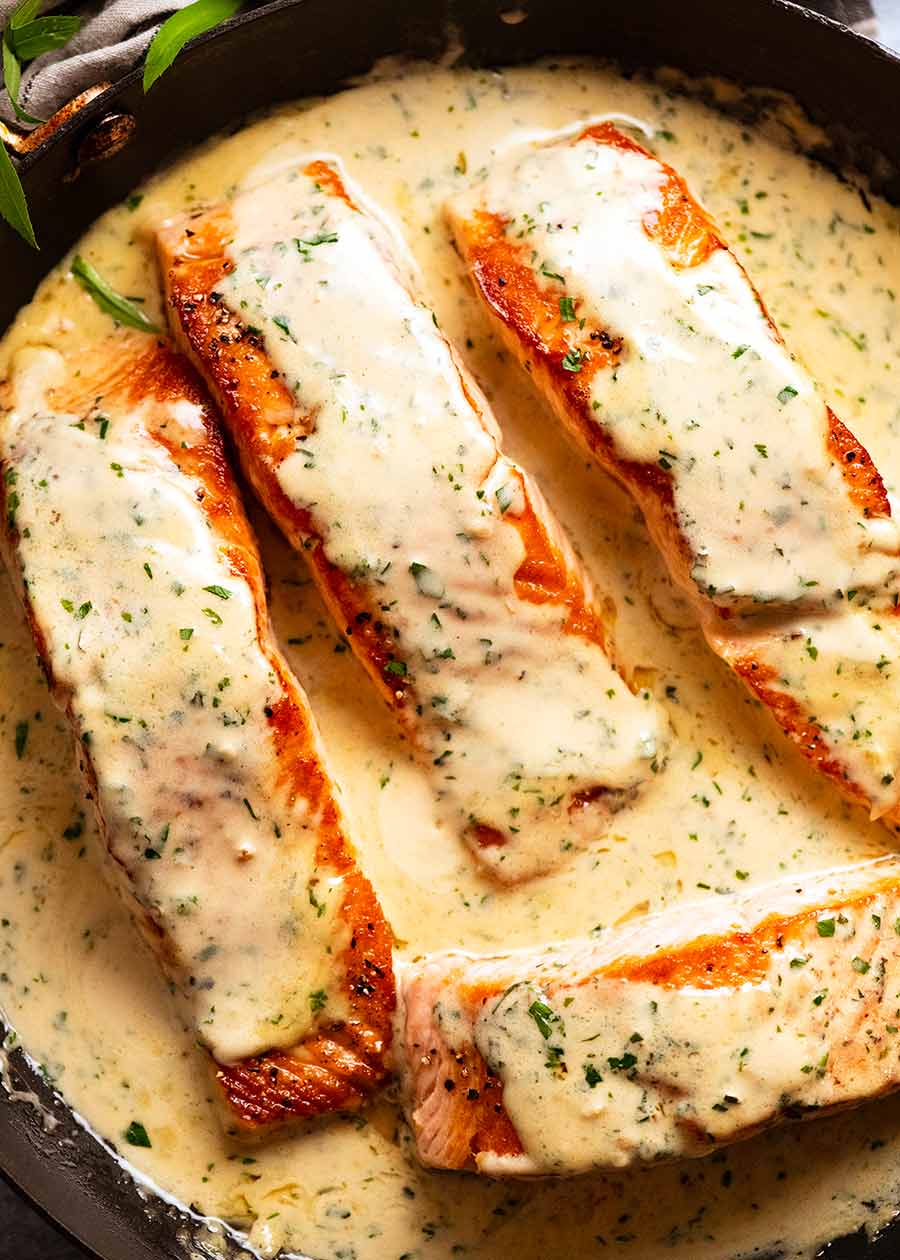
{"x": 107, "y": 136}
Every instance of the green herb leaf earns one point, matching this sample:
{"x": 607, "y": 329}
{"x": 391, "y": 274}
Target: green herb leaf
{"x": 281, "y": 321}
{"x": 319, "y": 906}
{"x": 825, "y": 927}
{"x": 25, "y": 12}
{"x": 573, "y": 360}
{"x": 218, "y": 590}
{"x": 12, "y": 68}
{"x": 44, "y": 34}
{"x": 785, "y": 395}
{"x": 13, "y": 206}
{"x": 428, "y": 583}
{"x": 12, "y": 77}
{"x": 110, "y": 302}
{"x": 591, "y": 1075}
{"x": 504, "y": 496}
{"x": 318, "y": 1000}
{"x": 320, "y": 238}
{"x": 182, "y": 26}
{"x": 544, "y": 1016}
{"x": 567, "y": 310}
{"x": 136, "y": 1135}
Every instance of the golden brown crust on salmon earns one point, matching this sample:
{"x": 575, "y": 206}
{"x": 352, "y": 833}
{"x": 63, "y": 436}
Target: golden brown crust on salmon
{"x": 457, "y": 1100}
{"x": 340, "y": 1064}
{"x": 263, "y": 420}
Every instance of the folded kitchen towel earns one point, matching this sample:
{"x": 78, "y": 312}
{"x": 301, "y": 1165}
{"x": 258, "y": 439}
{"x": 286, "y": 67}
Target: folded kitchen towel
{"x": 115, "y": 37}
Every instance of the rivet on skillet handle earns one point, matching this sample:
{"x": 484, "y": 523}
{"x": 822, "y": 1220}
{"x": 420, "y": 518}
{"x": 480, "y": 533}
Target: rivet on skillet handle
{"x": 108, "y": 136}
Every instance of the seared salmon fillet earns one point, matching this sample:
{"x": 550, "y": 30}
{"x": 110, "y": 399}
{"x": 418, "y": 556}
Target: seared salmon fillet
{"x": 378, "y": 456}
{"x": 668, "y": 1038}
{"x": 141, "y": 582}
{"x": 616, "y": 291}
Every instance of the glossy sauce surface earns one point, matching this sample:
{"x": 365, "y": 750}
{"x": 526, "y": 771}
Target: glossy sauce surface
{"x": 735, "y": 807}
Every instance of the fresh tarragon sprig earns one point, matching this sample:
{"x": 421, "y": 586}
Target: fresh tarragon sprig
{"x": 28, "y": 35}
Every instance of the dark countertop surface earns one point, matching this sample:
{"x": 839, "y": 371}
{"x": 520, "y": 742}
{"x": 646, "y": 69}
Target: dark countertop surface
{"x": 25, "y": 1235}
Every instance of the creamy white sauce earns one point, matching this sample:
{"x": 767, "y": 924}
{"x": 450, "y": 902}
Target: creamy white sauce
{"x": 705, "y": 391}
{"x": 401, "y": 474}
{"x": 153, "y": 642}
{"x": 91, "y": 1006}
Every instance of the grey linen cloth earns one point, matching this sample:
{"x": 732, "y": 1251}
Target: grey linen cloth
{"x": 115, "y": 37}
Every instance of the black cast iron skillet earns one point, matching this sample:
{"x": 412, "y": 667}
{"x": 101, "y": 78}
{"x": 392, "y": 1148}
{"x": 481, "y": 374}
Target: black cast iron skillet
{"x": 296, "y": 48}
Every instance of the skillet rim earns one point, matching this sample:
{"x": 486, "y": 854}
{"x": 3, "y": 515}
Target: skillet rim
{"x": 67, "y": 1196}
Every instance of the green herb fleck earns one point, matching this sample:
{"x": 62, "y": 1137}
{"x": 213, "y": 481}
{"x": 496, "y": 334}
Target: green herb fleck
{"x": 591, "y": 1075}
{"x": 136, "y": 1135}
{"x": 544, "y": 1016}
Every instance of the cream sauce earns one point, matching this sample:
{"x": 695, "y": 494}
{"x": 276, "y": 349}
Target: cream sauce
{"x": 401, "y": 474}
{"x": 706, "y": 392}
{"x": 736, "y": 806}
{"x": 152, "y": 638}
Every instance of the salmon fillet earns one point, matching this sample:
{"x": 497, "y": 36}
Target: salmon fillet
{"x": 378, "y": 456}
{"x": 665, "y": 1039}
{"x": 618, "y": 294}
{"x": 141, "y": 582}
